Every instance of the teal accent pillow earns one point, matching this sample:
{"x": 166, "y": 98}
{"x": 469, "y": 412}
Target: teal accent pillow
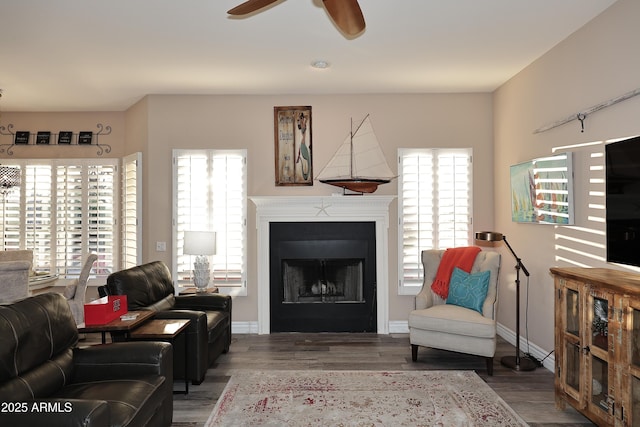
{"x": 468, "y": 290}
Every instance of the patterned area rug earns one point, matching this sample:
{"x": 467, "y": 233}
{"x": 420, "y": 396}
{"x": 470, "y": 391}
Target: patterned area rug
{"x": 360, "y": 398}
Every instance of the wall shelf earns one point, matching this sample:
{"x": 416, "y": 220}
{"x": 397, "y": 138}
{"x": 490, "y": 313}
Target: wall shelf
{"x": 62, "y": 139}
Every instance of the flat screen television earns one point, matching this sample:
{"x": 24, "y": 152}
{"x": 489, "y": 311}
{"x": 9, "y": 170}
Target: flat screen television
{"x": 622, "y": 165}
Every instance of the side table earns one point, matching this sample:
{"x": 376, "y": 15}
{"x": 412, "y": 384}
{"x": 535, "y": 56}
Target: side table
{"x": 169, "y": 330}
{"x": 118, "y": 326}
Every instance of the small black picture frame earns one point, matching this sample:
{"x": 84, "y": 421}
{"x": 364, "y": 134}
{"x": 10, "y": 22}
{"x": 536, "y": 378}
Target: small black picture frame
{"x": 64, "y": 137}
{"x": 85, "y": 137}
{"x": 22, "y": 137}
{"x": 43, "y": 137}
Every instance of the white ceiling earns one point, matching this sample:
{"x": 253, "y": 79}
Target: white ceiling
{"x": 105, "y": 55}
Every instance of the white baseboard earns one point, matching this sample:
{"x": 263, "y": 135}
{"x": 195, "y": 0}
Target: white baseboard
{"x": 398, "y": 327}
{"x": 528, "y": 347}
{"x": 244, "y": 327}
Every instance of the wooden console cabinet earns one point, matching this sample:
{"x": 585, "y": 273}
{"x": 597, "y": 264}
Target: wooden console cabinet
{"x": 597, "y": 344}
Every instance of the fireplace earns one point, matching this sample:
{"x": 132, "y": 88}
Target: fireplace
{"x": 322, "y": 276}
{"x": 308, "y": 209}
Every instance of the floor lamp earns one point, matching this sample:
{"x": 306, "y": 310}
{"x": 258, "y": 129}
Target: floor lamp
{"x": 514, "y": 362}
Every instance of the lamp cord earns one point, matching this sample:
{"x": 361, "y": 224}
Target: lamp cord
{"x": 528, "y": 354}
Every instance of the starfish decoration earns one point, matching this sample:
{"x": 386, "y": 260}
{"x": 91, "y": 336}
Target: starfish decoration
{"x": 322, "y": 209}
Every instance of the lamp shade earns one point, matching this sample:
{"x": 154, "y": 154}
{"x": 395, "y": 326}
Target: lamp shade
{"x": 9, "y": 177}
{"x": 489, "y": 236}
{"x": 199, "y": 242}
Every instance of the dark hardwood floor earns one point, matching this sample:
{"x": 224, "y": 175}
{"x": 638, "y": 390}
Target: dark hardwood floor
{"x": 528, "y": 393}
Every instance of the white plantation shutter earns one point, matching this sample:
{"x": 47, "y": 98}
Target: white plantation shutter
{"x": 102, "y": 211}
{"x": 63, "y": 210}
{"x": 131, "y": 249}
{"x": 37, "y": 188}
{"x": 228, "y": 215}
{"x": 434, "y": 207}
{"x": 11, "y": 219}
{"x": 210, "y": 195}
{"x": 71, "y": 216}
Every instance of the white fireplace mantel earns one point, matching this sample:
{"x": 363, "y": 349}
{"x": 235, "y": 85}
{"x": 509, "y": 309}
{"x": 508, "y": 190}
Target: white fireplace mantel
{"x": 324, "y": 209}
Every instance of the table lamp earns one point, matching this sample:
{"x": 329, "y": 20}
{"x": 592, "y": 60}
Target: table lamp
{"x": 202, "y": 244}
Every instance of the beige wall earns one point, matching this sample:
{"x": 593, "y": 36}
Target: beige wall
{"x": 595, "y": 64}
{"x": 463, "y": 120}
{"x": 158, "y": 124}
{"x": 55, "y": 122}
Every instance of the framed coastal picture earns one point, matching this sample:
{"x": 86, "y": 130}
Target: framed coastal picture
{"x": 542, "y": 190}
{"x": 293, "y": 155}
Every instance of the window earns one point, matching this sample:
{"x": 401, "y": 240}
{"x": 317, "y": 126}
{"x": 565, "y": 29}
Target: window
{"x": 63, "y": 210}
{"x": 210, "y": 194}
{"x": 434, "y": 207}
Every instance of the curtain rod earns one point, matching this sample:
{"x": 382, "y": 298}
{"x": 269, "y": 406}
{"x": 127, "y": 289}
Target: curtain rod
{"x": 583, "y": 115}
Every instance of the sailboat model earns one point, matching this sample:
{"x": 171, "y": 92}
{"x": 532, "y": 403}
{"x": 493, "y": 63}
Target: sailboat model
{"x": 359, "y": 164}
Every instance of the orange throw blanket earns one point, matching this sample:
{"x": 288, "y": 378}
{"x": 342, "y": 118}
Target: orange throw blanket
{"x": 462, "y": 257}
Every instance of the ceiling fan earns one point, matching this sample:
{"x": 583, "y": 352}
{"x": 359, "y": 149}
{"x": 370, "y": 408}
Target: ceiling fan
{"x": 346, "y": 14}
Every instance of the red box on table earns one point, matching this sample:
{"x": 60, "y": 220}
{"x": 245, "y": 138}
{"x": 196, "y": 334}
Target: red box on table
{"x": 105, "y": 309}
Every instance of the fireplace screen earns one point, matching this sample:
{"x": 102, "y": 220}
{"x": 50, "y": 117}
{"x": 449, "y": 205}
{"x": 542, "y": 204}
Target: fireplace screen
{"x": 322, "y": 280}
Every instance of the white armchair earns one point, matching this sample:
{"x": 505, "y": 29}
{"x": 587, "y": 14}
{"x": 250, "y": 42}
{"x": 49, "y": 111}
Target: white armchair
{"x": 451, "y": 327}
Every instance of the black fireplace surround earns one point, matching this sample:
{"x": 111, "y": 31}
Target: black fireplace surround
{"x": 322, "y": 276}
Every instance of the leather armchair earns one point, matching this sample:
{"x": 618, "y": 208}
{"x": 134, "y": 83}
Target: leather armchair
{"x": 451, "y": 327}
{"x": 150, "y": 287}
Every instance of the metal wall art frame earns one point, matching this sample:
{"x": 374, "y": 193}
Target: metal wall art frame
{"x": 46, "y": 138}
{"x": 542, "y": 190}
{"x": 293, "y": 159}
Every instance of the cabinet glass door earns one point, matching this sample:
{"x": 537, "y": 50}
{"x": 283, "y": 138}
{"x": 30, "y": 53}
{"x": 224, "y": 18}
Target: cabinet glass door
{"x": 632, "y": 382}
{"x": 600, "y": 383}
{"x": 572, "y": 315}
{"x": 573, "y": 358}
{"x": 600, "y": 323}
{"x": 602, "y": 328}
{"x": 635, "y": 399}
{"x": 635, "y": 338}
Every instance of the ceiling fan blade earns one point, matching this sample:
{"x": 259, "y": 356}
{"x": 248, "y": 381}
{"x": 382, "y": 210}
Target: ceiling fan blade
{"x": 346, "y": 14}
{"x": 250, "y": 6}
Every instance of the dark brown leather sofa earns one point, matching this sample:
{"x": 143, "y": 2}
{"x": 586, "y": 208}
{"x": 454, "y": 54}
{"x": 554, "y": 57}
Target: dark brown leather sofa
{"x": 150, "y": 287}
{"x": 46, "y": 380}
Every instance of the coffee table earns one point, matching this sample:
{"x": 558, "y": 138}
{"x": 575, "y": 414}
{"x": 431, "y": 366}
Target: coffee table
{"x": 119, "y": 326}
{"x": 169, "y": 330}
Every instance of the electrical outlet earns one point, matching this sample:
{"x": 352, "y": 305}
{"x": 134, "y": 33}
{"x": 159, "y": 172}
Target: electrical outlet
{"x": 161, "y": 246}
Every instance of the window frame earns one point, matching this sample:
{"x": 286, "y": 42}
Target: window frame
{"x": 51, "y": 261}
{"x": 236, "y": 290}
{"x": 130, "y": 206}
{"x": 411, "y": 285}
